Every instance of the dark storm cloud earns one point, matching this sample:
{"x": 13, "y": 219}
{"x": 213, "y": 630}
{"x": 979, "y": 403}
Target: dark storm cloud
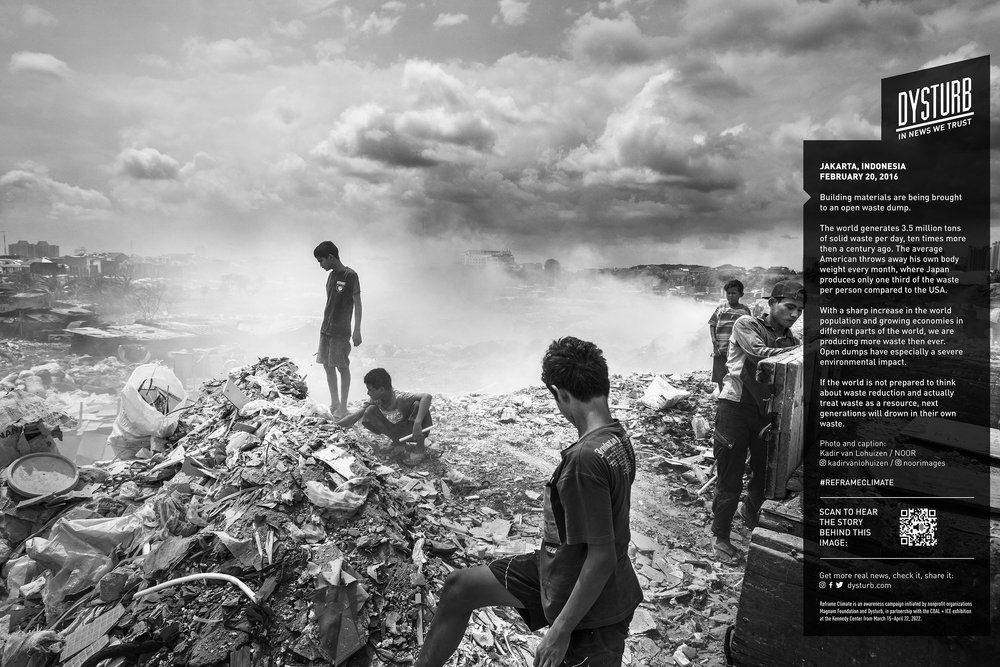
{"x": 455, "y": 201}
{"x": 418, "y": 138}
{"x": 703, "y": 76}
{"x": 392, "y": 150}
{"x": 793, "y": 26}
{"x": 367, "y": 132}
{"x": 461, "y": 129}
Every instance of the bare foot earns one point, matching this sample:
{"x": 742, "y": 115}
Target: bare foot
{"x": 724, "y": 550}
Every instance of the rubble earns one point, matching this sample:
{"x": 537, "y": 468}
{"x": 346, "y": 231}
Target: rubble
{"x": 287, "y": 541}
{"x": 265, "y": 513}
{"x": 41, "y": 373}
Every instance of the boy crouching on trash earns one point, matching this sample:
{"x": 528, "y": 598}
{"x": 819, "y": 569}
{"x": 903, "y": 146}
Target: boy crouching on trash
{"x": 580, "y": 582}
{"x": 396, "y": 414}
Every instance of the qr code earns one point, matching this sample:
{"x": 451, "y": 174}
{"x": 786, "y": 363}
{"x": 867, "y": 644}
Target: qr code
{"x": 918, "y": 527}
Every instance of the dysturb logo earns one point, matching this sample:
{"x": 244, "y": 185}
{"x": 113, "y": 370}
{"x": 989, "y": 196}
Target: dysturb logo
{"x": 940, "y": 106}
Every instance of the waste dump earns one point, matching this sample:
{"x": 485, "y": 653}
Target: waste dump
{"x": 263, "y": 534}
{"x": 331, "y": 548}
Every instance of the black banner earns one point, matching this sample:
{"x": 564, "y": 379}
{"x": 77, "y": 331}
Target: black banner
{"x": 897, "y": 495}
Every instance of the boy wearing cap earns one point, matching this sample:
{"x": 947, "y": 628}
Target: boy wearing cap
{"x": 720, "y": 326}
{"x": 580, "y": 582}
{"x": 343, "y": 300}
{"x": 743, "y": 412}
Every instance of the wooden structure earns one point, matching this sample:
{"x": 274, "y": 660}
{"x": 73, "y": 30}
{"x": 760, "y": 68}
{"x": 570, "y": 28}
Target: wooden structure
{"x": 769, "y": 628}
{"x": 787, "y": 439}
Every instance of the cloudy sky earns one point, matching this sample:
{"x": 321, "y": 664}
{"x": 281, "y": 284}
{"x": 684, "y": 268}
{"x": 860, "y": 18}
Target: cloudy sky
{"x": 611, "y": 132}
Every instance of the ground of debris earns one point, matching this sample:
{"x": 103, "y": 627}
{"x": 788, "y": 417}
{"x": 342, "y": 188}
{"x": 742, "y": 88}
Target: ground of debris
{"x": 342, "y": 553}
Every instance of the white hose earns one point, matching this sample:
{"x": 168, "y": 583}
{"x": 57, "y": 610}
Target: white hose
{"x": 195, "y": 577}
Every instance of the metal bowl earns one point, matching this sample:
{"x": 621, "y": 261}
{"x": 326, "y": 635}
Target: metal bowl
{"x": 42, "y": 474}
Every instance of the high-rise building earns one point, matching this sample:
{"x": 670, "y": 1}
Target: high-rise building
{"x": 33, "y": 250}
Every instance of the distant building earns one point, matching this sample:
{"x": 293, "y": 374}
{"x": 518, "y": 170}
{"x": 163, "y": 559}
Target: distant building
{"x": 9, "y": 266}
{"x": 114, "y": 264}
{"x": 46, "y": 267}
{"x": 33, "y": 250}
{"x": 81, "y": 266}
{"x": 995, "y": 256}
{"x": 503, "y": 258}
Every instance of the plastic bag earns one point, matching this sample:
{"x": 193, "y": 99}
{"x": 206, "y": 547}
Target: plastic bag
{"x": 700, "y": 426}
{"x": 238, "y": 442}
{"x": 347, "y": 498}
{"x": 148, "y": 408}
{"x": 31, "y": 650}
{"x": 19, "y": 572}
{"x": 660, "y": 394}
{"x": 78, "y": 552}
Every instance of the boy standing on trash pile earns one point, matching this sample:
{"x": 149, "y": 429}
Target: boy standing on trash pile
{"x": 720, "y": 326}
{"x": 396, "y": 414}
{"x": 343, "y": 300}
{"x": 744, "y": 411}
{"x": 580, "y": 582}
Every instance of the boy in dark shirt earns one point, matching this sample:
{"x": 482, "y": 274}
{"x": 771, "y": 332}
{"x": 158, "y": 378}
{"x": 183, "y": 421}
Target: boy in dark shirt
{"x": 343, "y": 300}
{"x": 580, "y": 582}
{"x": 393, "y": 413}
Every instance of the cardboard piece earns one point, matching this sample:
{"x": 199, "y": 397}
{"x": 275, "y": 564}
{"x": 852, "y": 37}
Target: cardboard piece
{"x": 235, "y": 394}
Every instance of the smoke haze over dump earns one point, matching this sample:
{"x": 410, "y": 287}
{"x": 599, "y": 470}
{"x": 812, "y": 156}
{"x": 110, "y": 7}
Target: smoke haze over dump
{"x": 440, "y": 327}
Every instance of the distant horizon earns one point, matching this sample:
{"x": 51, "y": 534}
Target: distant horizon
{"x": 458, "y": 256}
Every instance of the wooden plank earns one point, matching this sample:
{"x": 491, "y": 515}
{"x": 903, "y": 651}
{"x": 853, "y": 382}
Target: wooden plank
{"x": 955, "y": 435}
{"x": 790, "y": 426}
{"x": 783, "y": 517}
{"x": 785, "y": 453}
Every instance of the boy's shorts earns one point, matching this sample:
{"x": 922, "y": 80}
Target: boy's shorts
{"x": 333, "y": 351}
{"x": 376, "y": 422}
{"x": 592, "y": 647}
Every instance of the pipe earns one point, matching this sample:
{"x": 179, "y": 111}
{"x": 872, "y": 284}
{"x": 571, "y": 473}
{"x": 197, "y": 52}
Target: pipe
{"x": 707, "y": 484}
{"x": 195, "y": 577}
{"x": 407, "y": 438}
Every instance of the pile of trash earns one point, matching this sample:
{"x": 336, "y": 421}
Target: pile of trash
{"x": 262, "y": 534}
{"x": 40, "y": 374}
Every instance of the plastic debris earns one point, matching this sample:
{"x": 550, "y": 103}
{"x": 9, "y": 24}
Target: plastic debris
{"x": 661, "y": 395}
